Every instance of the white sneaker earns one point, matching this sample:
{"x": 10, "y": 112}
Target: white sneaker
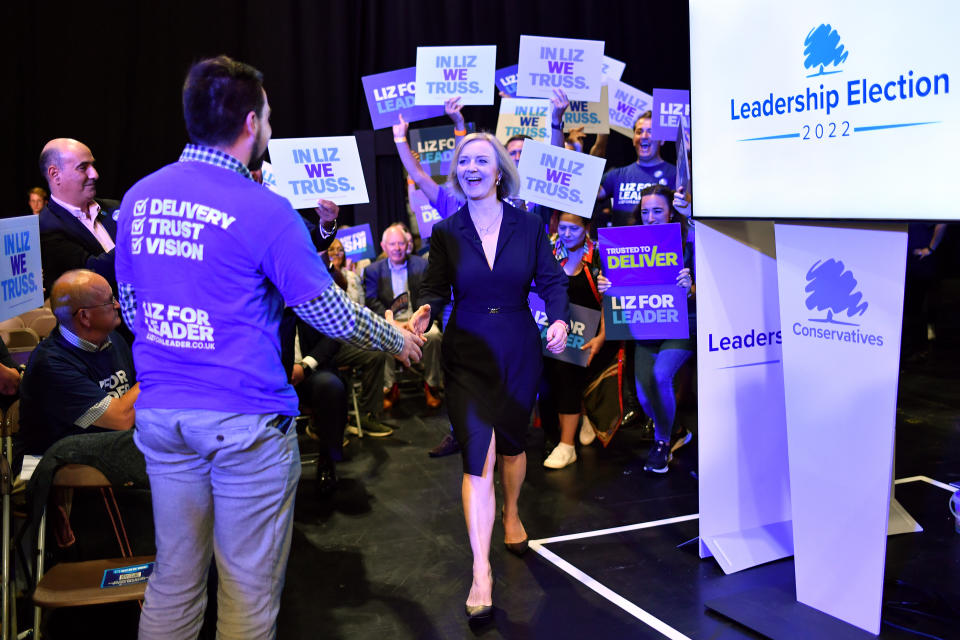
{"x": 561, "y": 456}
{"x": 587, "y": 433}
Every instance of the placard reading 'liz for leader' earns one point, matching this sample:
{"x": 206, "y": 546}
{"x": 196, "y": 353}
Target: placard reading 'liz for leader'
{"x": 446, "y": 72}
{"x": 643, "y": 263}
{"x": 583, "y": 326}
{"x": 391, "y": 94}
{"x": 560, "y": 178}
{"x": 310, "y": 169}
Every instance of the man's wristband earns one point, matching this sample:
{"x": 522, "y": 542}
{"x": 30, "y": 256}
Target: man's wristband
{"x": 555, "y": 125}
{"x": 399, "y": 139}
{"x": 459, "y": 132}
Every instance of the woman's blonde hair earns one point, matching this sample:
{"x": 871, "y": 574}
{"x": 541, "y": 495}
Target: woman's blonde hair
{"x": 509, "y": 177}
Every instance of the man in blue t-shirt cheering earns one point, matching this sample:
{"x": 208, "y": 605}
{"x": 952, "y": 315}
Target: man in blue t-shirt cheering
{"x": 624, "y": 184}
{"x": 206, "y": 260}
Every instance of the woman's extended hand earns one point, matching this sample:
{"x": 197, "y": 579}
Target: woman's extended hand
{"x": 594, "y": 345}
{"x": 603, "y": 283}
{"x": 557, "y": 337}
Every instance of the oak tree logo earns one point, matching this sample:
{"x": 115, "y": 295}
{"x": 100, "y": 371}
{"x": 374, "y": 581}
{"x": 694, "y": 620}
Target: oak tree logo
{"x": 822, "y": 48}
{"x": 831, "y": 289}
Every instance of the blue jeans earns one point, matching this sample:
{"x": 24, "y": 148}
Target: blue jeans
{"x": 222, "y": 484}
{"x": 655, "y": 365}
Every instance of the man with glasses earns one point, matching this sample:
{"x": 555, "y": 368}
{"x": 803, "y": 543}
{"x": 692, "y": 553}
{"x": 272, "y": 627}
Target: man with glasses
{"x": 80, "y": 379}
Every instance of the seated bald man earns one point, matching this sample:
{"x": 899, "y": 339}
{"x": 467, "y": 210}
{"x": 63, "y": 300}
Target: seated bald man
{"x": 77, "y": 229}
{"x": 80, "y": 378}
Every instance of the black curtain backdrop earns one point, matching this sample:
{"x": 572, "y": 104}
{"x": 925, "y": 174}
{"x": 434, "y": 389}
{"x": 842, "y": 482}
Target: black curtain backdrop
{"x": 109, "y": 74}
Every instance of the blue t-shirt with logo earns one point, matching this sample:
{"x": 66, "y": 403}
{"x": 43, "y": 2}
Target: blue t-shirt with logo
{"x": 624, "y": 184}
{"x": 62, "y": 382}
{"x": 213, "y": 257}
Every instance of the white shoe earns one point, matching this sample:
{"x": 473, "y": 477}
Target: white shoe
{"x": 587, "y": 433}
{"x": 561, "y": 456}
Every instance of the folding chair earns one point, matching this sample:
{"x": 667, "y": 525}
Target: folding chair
{"x": 72, "y": 584}
{"x": 9, "y": 425}
{"x": 43, "y": 324}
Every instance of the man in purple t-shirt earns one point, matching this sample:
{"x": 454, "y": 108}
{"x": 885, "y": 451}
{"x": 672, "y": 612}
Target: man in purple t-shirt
{"x": 206, "y": 261}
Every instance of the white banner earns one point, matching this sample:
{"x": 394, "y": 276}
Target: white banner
{"x": 445, "y": 72}
{"x": 310, "y": 169}
{"x": 744, "y": 481}
{"x": 841, "y": 304}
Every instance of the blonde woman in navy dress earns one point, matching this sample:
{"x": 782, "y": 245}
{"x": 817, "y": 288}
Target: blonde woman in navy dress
{"x": 489, "y": 253}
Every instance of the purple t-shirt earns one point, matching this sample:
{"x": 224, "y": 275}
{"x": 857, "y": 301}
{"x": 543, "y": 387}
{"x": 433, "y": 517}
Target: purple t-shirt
{"x": 213, "y": 258}
{"x": 624, "y": 184}
{"x": 447, "y": 202}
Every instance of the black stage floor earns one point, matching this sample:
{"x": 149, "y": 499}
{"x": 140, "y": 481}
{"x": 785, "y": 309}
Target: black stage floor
{"x": 388, "y": 556}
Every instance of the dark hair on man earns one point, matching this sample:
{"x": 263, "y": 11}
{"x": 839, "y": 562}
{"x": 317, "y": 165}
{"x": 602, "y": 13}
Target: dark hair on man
{"x": 521, "y": 138}
{"x": 217, "y": 96}
{"x": 50, "y": 157}
{"x": 646, "y": 115}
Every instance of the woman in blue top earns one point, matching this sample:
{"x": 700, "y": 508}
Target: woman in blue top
{"x": 656, "y": 362}
{"x": 488, "y": 253}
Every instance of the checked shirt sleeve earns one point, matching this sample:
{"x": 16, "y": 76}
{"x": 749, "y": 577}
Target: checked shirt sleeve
{"x": 334, "y": 314}
{"x": 128, "y": 304}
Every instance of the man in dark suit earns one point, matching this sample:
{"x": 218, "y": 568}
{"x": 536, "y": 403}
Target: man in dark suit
{"x": 77, "y": 230}
{"x": 385, "y": 282}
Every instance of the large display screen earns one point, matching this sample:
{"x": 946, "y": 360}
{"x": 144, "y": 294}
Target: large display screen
{"x": 825, "y": 109}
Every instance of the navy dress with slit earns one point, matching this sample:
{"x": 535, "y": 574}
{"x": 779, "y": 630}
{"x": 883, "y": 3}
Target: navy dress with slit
{"x": 491, "y": 350}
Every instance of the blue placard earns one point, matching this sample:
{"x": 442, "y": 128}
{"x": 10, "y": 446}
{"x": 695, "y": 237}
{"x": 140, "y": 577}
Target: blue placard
{"x": 645, "y": 312}
{"x": 21, "y": 284}
{"x": 506, "y": 80}
{"x": 357, "y": 242}
{"x": 583, "y": 324}
{"x": 392, "y": 93}
{"x": 125, "y": 576}
{"x": 435, "y": 146}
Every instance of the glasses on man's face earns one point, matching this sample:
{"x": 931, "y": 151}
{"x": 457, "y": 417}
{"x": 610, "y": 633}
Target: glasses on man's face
{"x": 113, "y": 301}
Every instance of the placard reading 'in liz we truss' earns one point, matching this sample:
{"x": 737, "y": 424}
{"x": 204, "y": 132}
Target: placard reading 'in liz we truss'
{"x": 545, "y": 64}
{"x": 642, "y": 263}
{"x": 310, "y": 169}
{"x": 559, "y": 178}
{"x": 529, "y": 117}
{"x": 594, "y": 117}
{"x": 20, "y": 278}
{"x": 626, "y": 105}
{"x": 447, "y": 72}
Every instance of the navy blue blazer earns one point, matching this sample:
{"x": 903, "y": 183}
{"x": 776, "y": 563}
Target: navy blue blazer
{"x": 523, "y": 253}
{"x": 66, "y": 244}
{"x": 378, "y": 285}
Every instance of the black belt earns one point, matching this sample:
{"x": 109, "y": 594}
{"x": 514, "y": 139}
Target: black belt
{"x": 477, "y": 308}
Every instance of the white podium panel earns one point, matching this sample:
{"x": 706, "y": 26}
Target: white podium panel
{"x": 744, "y": 482}
{"x": 841, "y": 303}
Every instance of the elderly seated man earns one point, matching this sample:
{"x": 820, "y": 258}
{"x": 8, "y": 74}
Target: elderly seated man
{"x": 385, "y": 283}
{"x": 80, "y": 378}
